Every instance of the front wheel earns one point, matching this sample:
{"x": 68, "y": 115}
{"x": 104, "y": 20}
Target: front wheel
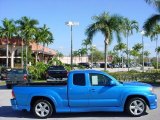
{"x": 136, "y": 107}
{"x": 42, "y": 109}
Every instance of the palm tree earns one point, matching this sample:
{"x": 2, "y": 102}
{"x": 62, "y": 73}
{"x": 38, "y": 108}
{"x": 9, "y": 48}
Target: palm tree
{"x": 47, "y": 37}
{"x": 120, "y": 47}
{"x": 129, "y": 26}
{"x": 137, "y": 47}
{"x": 86, "y": 42}
{"x": 152, "y": 21}
{"x": 107, "y": 25}
{"x": 27, "y": 29}
{"x": 154, "y": 36}
{"x": 146, "y": 54}
{"x": 82, "y": 52}
{"x": 38, "y": 36}
{"x": 158, "y": 51}
{"x": 8, "y": 31}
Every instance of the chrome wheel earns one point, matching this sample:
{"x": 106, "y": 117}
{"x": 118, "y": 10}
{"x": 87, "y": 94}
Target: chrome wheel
{"x": 42, "y": 109}
{"x": 137, "y": 107}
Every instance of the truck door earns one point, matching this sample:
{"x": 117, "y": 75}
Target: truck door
{"x": 101, "y": 93}
{"x": 78, "y": 91}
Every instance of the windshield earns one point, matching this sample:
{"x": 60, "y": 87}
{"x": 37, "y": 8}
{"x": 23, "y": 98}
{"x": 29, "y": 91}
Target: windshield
{"x": 18, "y": 71}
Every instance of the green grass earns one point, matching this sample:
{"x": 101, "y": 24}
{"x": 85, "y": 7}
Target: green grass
{"x": 2, "y": 83}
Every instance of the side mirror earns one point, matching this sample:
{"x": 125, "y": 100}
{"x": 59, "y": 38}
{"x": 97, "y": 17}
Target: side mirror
{"x": 113, "y": 83}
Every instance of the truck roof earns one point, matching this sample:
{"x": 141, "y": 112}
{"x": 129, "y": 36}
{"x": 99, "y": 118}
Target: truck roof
{"x": 86, "y": 71}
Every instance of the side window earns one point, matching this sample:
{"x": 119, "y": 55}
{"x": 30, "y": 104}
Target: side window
{"x": 99, "y": 79}
{"x": 79, "y": 79}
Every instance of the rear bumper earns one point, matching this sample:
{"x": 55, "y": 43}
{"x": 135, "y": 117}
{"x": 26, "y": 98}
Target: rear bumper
{"x": 152, "y": 101}
{"x": 14, "y": 82}
{"x": 15, "y": 106}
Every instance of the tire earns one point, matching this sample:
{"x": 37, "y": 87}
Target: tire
{"x": 136, "y": 107}
{"x": 42, "y": 109}
{"x": 9, "y": 86}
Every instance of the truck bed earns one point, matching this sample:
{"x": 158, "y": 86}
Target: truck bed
{"x": 62, "y": 83}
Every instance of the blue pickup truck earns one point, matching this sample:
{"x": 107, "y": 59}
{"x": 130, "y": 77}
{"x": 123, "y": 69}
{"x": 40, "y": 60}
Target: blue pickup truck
{"x": 84, "y": 91}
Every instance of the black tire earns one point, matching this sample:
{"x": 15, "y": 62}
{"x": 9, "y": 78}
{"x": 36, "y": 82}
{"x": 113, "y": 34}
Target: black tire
{"x": 9, "y": 86}
{"x": 136, "y": 107}
{"x": 42, "y": 112}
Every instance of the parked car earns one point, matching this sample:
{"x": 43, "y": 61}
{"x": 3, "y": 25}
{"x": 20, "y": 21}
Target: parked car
{"x": 84, "y": 91}
{"x": 4, "y": 73}
{"x": 16, "y": 76}
{"x": 56, "y": 72}
{"x": 85, "y": 64}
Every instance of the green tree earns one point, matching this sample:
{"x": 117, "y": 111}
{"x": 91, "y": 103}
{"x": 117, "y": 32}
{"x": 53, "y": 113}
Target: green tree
{"x": 47, "y": 37}
{"x": 107, "y": 25}
{"x": 154, "y": 37}
{"x": 27, "y": 29}
{"x": 152, "y": 21}
{"x": 120, "y": 47}
{"x": 8, "y": 31}
{"x": 129, "y": 26}
{"x": 158, "y": 51}
{"x": 97, "y": 55}
{"x": 137, "y": 47}
{"x": 136, "y": 50}
{"x": 146, "y": 54}
{"x": 86, "y": 43}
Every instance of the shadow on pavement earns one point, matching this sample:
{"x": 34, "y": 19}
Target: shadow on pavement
{"x": 7, "y": 111}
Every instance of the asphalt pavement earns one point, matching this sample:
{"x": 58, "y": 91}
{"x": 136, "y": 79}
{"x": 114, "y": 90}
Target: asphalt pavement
{"x": 6, "y": 112}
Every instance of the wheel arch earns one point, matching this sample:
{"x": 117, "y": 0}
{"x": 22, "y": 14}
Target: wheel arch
{"x": 35, "y": 98}
{"x": 136, "y": 96}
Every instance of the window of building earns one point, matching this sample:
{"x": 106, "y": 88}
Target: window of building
{"x": 99, "y": 80}
{"x": 79, "y": 79}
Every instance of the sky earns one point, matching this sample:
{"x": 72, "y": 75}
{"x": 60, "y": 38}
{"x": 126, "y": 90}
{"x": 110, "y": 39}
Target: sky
{"x": 54, "y": 13}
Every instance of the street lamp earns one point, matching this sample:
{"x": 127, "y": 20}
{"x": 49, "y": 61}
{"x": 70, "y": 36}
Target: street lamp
{"x": 71, "y": 24}
{"x": 92, "y": 48}
{"x": 142, "y": 33}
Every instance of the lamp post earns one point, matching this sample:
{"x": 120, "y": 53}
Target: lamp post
{"x": 92, "y": 48}
{"x": 71, "y": 24}
{"x": 142, "y": 33}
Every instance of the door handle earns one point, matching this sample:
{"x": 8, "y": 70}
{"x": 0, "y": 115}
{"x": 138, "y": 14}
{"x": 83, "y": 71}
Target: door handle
{"x": 93, "y": 90}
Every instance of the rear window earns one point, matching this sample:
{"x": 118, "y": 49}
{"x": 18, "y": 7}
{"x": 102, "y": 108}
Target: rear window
{"x": 79, "y": 79}
{"x": 56, "y": 68}
{"x": 19, "y": 71}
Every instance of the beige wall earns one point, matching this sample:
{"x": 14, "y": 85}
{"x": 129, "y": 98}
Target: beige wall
{"x": 76, "y": 60}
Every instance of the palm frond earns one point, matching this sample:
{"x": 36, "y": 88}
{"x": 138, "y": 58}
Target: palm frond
{"x": 151, "y": 22}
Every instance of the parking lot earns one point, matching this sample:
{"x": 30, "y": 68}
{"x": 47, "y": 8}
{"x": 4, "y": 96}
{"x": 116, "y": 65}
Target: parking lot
{"x": 6, "y": 112}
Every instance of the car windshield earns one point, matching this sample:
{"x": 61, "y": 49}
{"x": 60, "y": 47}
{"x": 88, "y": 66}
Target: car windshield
{"x": 56, "y": 68}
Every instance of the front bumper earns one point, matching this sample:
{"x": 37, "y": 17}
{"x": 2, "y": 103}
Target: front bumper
{"x": 152, "y": 99}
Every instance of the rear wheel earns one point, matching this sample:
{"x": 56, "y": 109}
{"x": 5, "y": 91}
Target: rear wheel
{"x": 42, "y": 109}
{"x": 136, "y": 107}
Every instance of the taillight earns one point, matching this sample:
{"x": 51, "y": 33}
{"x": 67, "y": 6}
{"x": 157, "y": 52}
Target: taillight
{"x": 25, "y": 77}
{"x": 13, "y": 95}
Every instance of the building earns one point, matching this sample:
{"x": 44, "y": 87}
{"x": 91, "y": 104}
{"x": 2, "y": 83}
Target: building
{"x": 15, "y": 46}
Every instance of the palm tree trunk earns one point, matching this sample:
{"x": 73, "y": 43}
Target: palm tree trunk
{"x": 157, "y": 53}
{"x": 22, "y": 55}
{"x": 105, "y": 55}
{"x": 26, "y": 56}
{"x": 43, "y": 53}
{"x": 7, "y": 54}
{"x": 127, "y": 53}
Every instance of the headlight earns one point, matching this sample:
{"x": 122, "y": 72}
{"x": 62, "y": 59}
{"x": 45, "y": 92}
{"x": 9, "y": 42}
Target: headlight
{"x": 151, "y": 89}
